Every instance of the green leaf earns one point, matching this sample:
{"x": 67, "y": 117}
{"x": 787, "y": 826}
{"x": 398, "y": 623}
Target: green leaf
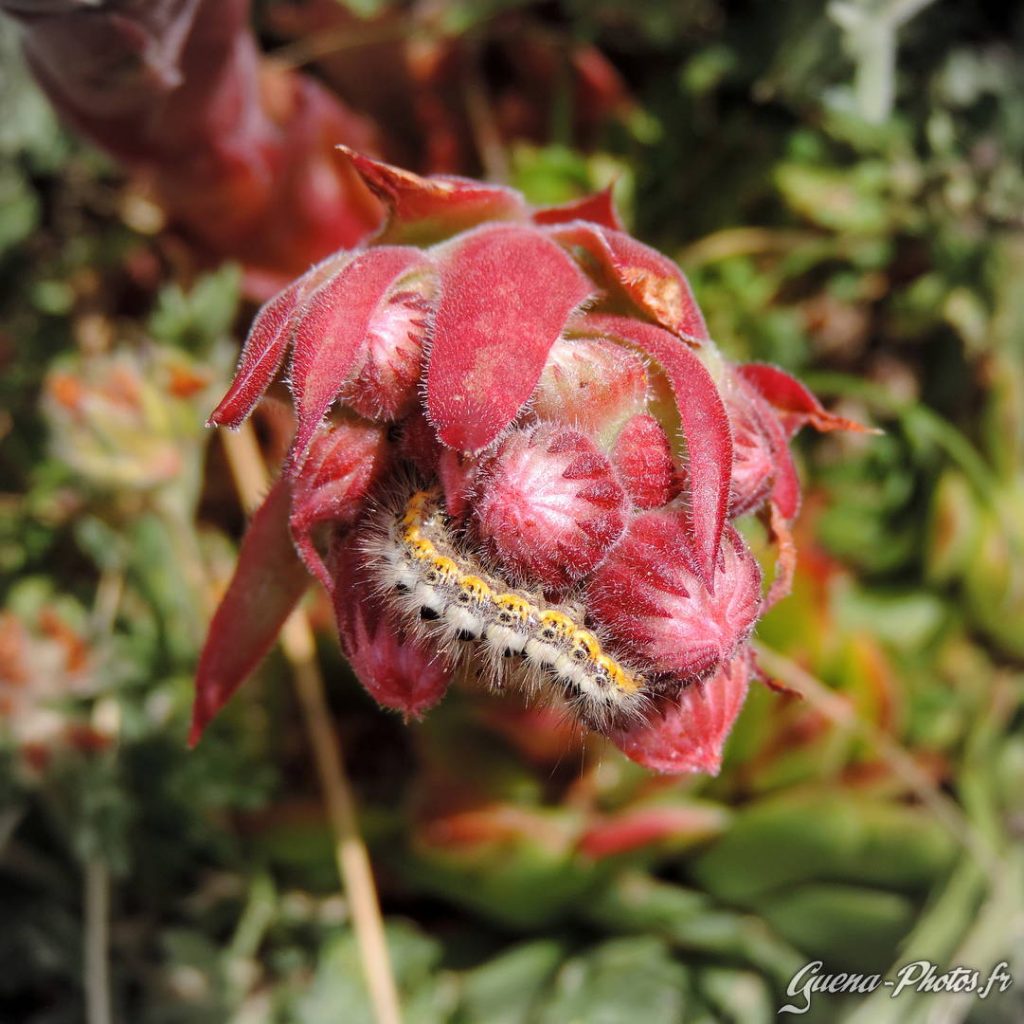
{"x": 824, "y": 836}
{"x": 197, "y": 319}
{"x": 849, "y": 928}
{"x": 692, "y": 922}
{"x": 632, "y": 979}
{"x": 738, "y": 997}
{"x": 338, "y": 991}
{"x": 505, "y": 990}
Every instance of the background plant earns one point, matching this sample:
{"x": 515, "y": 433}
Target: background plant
{"x": 875, "y": 248}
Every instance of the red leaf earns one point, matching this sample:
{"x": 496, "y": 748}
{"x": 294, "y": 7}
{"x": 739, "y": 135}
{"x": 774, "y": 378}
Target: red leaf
{"x": 785, "y": 494}
{"x": 794, "y": 401}
{"x": 592, "y": 384}
{"x": 705, "y": 426}
{"x": 332, "y": 329}
{"x": 267, "y": 343}
{"x": 422, "y": 211}
{"x": 648, "y": 595}
{"x": 549, "y": 506}
{"x": 263, "y": 354}
{"x": 689, "y": 735}
{"x": 506, "y": 293}
{"x": 650, "y": 279}
{"x": 268, "y": 582}
{"x": 598, "y": 209}
{"x": 643, "y": 827}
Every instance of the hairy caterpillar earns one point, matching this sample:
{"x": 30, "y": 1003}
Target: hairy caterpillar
{"x": 522, "y": 638}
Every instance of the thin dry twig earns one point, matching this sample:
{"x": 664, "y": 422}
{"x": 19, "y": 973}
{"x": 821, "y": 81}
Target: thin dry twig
{"x": 96, "y": 885}
{"x": 250, "y": 476}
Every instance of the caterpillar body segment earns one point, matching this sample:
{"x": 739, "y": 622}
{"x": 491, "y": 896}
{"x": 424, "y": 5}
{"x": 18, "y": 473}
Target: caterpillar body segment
{"x": 520, "y": 637}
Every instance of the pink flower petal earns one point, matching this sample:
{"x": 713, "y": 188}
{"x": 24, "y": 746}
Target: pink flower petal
{"x": 755, "y": 447}
{"x": 426, "y": 210}
{"x": 332, "y": 330}
{"x": 785, "y": 494}
{"x": 506, "y": 293}
{"x": 386, "y": 385}
{"x": 268, "y": 582}
{"x": 688, "y": 735}
{"x": 797, "y": 405}
{"x": 598, "y": 209}
{"x": 650, "y": 279}
{"x": 705, "y": 426}
{"x": 397, "y": 670}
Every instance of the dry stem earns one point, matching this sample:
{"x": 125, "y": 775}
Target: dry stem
{"x": 96, "y": 884}
{"x": 353, "y": 861}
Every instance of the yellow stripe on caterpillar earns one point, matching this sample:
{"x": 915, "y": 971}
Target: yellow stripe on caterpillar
{"x": 436, "y": 583}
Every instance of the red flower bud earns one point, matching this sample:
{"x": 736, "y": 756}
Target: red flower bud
{"x": 651, "y": 597}
{"x": 549, "y": 505}
{"x": 687, "y": 734}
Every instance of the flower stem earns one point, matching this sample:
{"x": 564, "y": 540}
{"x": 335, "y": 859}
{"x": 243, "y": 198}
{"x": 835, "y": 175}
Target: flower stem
{"x": 353, "y": 861}
{"x": 97, "y": 968}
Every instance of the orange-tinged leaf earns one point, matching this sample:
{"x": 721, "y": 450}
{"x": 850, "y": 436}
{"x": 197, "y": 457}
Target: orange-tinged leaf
{"x": 688, "y": 736}
{"x": 652, "y": 281}
{"x": 795, "y": 403}
{"x": 598, "y": 209}
{"x": 422, "y": 211}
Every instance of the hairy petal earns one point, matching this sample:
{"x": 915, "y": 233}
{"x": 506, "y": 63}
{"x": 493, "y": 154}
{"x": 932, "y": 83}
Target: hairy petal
{"x": 643, "y": 457}
{"x": 593, "y": 384}
{"x": 385, "y": 386}
{"x": 755, "y": 447}
{"x": 506, "y": 294}
{"x": 648, "y": 278}
{"x": 332, "y": 331}
{"x": 688, "y": 734}
{"x": 268, "y": 582}
{"x": 650, "y": 597}
{"x": 705, "y": 425}
{"x": 422, "y": 211}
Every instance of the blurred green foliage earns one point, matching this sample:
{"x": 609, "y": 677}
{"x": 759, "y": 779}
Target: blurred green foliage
{"x": 850, "y": 211}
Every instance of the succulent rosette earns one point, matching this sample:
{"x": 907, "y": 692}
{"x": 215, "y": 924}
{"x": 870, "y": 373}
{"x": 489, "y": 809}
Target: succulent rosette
{"x": 553, "y": 379}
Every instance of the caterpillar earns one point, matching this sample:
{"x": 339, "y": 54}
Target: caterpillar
{"x": 542, "y": 646}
